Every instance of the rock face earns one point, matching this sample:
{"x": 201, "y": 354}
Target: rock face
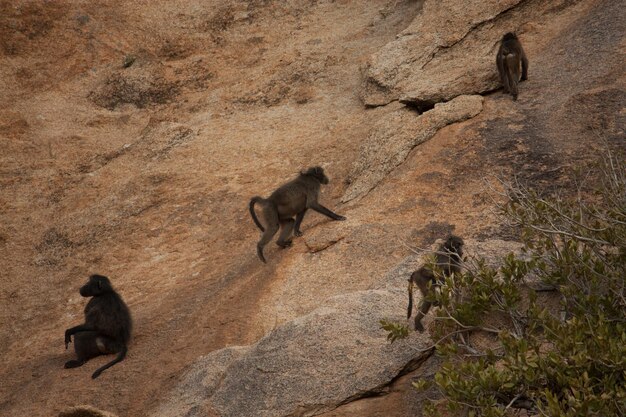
{"x": 137, "y": 86}
{"x": 449, "y": 50}
{"x": 397, "y": 134}
{"x": 226, "y": 100}
{"x": 205, "y": 377}
{"x": 306, "y": 366}
{"x": 316, "y": 362}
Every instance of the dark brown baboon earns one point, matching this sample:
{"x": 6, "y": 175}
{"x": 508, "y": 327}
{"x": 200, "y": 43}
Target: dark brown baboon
{"x": 291, "y": 199}
{"x": 448, "y": 260}
{"x": 107, "y": 325}
{"x": 510, "y": 56}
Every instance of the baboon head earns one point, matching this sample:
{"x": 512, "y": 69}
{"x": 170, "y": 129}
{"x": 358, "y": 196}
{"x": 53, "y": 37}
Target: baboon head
{"x": 318, "y": 173}
{"x": 97, "y": 285}
{"x": 454, "y": 244}
{"x": 509, "y": 36}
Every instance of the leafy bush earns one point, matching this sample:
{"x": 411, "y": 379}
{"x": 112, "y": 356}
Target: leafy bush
{"x": 395, "y": 330}
{"x": 508, "y": 345}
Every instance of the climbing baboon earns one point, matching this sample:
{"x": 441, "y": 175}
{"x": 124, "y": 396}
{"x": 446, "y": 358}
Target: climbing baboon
{"x": 107, "y": 325}
{"x": 448, "y": 260}
{"x": 291, "y": 199}
{"x": 510, "y": 56}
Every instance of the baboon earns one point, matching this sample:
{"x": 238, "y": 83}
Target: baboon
{"x": 291, "y": 199}
{"x": 510, "y": 56}
{"x": 448, "y": 259}
{"x": 107, "y": 325}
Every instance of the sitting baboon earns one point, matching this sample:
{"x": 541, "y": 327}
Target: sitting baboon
{"x": 510, "y": 56}
{"x": 107, "y": 325}
{"x": 291, "y": 199}
{"x": 448, "y": 260}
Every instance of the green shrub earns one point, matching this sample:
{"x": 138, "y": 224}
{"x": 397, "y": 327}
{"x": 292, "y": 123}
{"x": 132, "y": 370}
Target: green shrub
{"x": 562, "y": 359}
{"x": 395, "y": 330}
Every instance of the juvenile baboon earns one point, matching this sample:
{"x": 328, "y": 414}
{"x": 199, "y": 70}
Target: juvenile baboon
{"x": 107, "y": 325}
{"x": 448, "y": 260}
{"x": 291, "y": 199}
{"x": 510, "y": 56}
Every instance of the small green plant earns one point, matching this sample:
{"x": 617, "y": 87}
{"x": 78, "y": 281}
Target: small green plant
{"x": 395, "y": 330}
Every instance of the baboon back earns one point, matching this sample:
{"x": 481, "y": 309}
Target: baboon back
{"x": 110, "y": 316}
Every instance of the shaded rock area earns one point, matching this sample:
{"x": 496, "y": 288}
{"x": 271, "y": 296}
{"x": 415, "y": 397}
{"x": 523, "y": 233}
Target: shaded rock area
{"x": 85, "y": 411}
{"x": 450, "y": 49}
{"x": 397, "y": 134}
{"x": 399, "y": 400}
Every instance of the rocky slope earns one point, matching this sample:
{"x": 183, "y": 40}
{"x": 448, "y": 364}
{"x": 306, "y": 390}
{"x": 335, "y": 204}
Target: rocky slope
{"x": 133, "y": 134}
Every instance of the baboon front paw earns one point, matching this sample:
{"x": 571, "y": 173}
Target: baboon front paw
{"x": 297, "y": 233}
{"x": 285, "y": 244}
{"x": 341, "y": 218}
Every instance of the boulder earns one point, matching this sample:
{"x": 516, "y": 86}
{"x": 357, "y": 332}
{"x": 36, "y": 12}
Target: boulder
{"x": 396, "y": 134}
{"x": 449, "y": 49}
{"x": 312, "y": 364}
{"x": 334, "y": 355}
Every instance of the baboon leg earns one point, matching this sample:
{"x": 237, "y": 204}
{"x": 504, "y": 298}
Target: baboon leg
{"x": 524, "y": 67}
{"x": 326, "y": 212}
{"x": 72, "y": 330}
{"x": 296, "y": 227}
{"x": 74, "y": 364}
{"x": 284, "y": 240}
{"x": 270, "y": 213}
{"x": 422, "y": 311}
{"x": 512, "y": 67}
{"x": 85, "y": 346}
{"x": 513, "y": 87}
{"x": 88, "y": 345}
{"x": 269, "y": 233}
{"x": 423, "y": 279}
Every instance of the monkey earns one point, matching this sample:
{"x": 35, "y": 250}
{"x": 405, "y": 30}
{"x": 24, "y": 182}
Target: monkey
{"x": 448, "y": 259}
{"x": 510, "y": 55}
{"x": 291, "y": 199}
{"x": 107, "y": 327}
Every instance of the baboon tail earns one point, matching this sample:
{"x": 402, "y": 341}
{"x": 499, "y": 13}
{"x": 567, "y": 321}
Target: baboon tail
{"x": 501, "y": 71}
{"x": 410, "y": 308}
{"x": 512, "y": 69}
{"x": 253, "y": 201}
{"x": 120, "y": 357}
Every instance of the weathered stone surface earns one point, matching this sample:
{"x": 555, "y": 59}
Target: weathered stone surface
{"x": 421, "y": 50}
{"x": 199, "y": 383}
{"x": 395, "y": 135}
{"x": 318, "y": 361}
{"x": 450, "y": 49}
{"x": 308, "y": 365}
{"x": 317, "y": 242}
